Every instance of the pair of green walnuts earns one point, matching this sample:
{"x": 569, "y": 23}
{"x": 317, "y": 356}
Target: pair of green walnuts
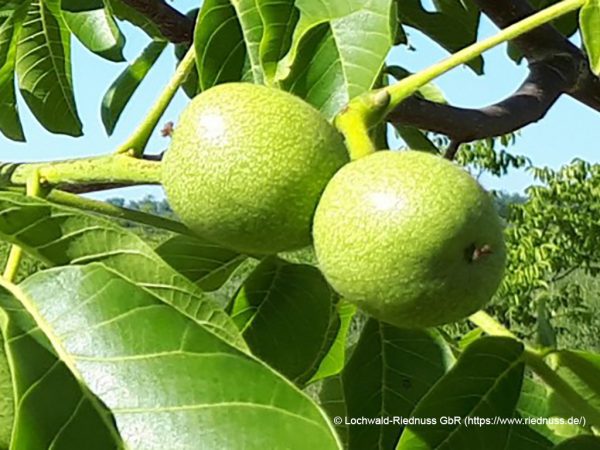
{"x": 409, "y": 237}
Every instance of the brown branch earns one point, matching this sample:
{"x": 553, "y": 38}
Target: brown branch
{"x": 452, "y": 149}
{"x": 173, "y": 25}
{"x": 543, "y": 43}
{"x": 528, "y": 104}
{"x": 556, "y": 67}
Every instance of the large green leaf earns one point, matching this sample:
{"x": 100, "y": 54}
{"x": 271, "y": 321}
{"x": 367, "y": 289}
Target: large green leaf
{"x": 53, "y": 409}
{"x": 285, "y": 312}
{"x": 11, "y": 20}
{"x": 219, "y": 44}
{"x": 168, "y": 381}
{"x": 59, "y": 235}
{"x": 485, "y": 384}
{"x": 97, "y": 30}
{"x": 453, "y": 24}
{"x": 329, "y": 62}
{"x": 7, "y": 404}
{"x": 120, "y": 91}
{"x": 582, "y": 371}
{"x": 389, "y": 371}
{"x": 533, "y": 404}
{"x": 589, "y": 19}
{"x": 44, "y": 68}
{"x": 207, "y": 265}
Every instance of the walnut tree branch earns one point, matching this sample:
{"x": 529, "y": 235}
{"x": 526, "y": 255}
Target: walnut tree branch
{"x": 528, "y": 104}
{"x": 556, "y": 67}
{"x": 172, "y": 24}
{"x": 543, "y": 43}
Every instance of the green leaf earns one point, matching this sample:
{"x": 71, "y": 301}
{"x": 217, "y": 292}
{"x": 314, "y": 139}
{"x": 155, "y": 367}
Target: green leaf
{"x": 251, "y": 24}
{"x": 484, "y": 383}
{"x": 416, "y": 139}
{"x": 533, "y": 403}
{"x": 582, "y": 371}
{"x": 389, "y": 371}
{"x": 207, "y": 265}
{"x": 332, "y": 399}
{"x": 285, "y": 312}
{"x": 97, "y": 31}
{"x": 7, "y": 405}
{"x": 219, "y": 44}
{"x": 10, "y": 27}
{"x": 580, "y": 443}
{"x": 119, "y": 93}
{"x": 59, "y": 235}
{"x": 190, "y": 84}
{"x": 53, "y": 409}
{"x": 167, "y": 380}
{"x": 523, "y": 437}
{"x": 453, "y": 24}
{"x": 329, "y": 62}
{"x": 335, "y": 359}
{"x": 279, "y": 21}
{"x": 589, "y": 19}
{"x": 44, "y": 68}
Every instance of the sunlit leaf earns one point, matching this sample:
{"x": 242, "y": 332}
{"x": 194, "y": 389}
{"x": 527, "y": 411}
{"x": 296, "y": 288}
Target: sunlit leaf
{"x": 219, "y": 44}
{"x": 484, "y": 383}
{"x": 44, "y": 68}
{"x": 329, "y": 62}
{"x": 168, "y": 382}
{"x": 53, "y": 409}
{"x": 10, "y": 27}
{"x": 589, "y": 19}
{"x": 335, "y": 359}
{"x": 119, "y": 93}
{"x": 98, "y": 31}
{"x": 59, "y": 235}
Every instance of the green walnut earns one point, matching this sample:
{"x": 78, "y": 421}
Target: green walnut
{"x": 247, "y": 165}
{"x": 411, "y": 238}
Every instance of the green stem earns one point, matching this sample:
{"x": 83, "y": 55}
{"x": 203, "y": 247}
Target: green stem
{"x": 354, "y": 122}
{"x": 15, "y": 255}
{"x": 536, "y": 362}
{"x": 12, "y": 262}
{"x": 409, "y": 85}
{"x": 111, "y": 169}
{"x": 72, "y": 200}
{"x": 136, "y": 143}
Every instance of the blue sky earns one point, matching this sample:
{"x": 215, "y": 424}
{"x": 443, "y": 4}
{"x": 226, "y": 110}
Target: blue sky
{"x": 569, "y": 130}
